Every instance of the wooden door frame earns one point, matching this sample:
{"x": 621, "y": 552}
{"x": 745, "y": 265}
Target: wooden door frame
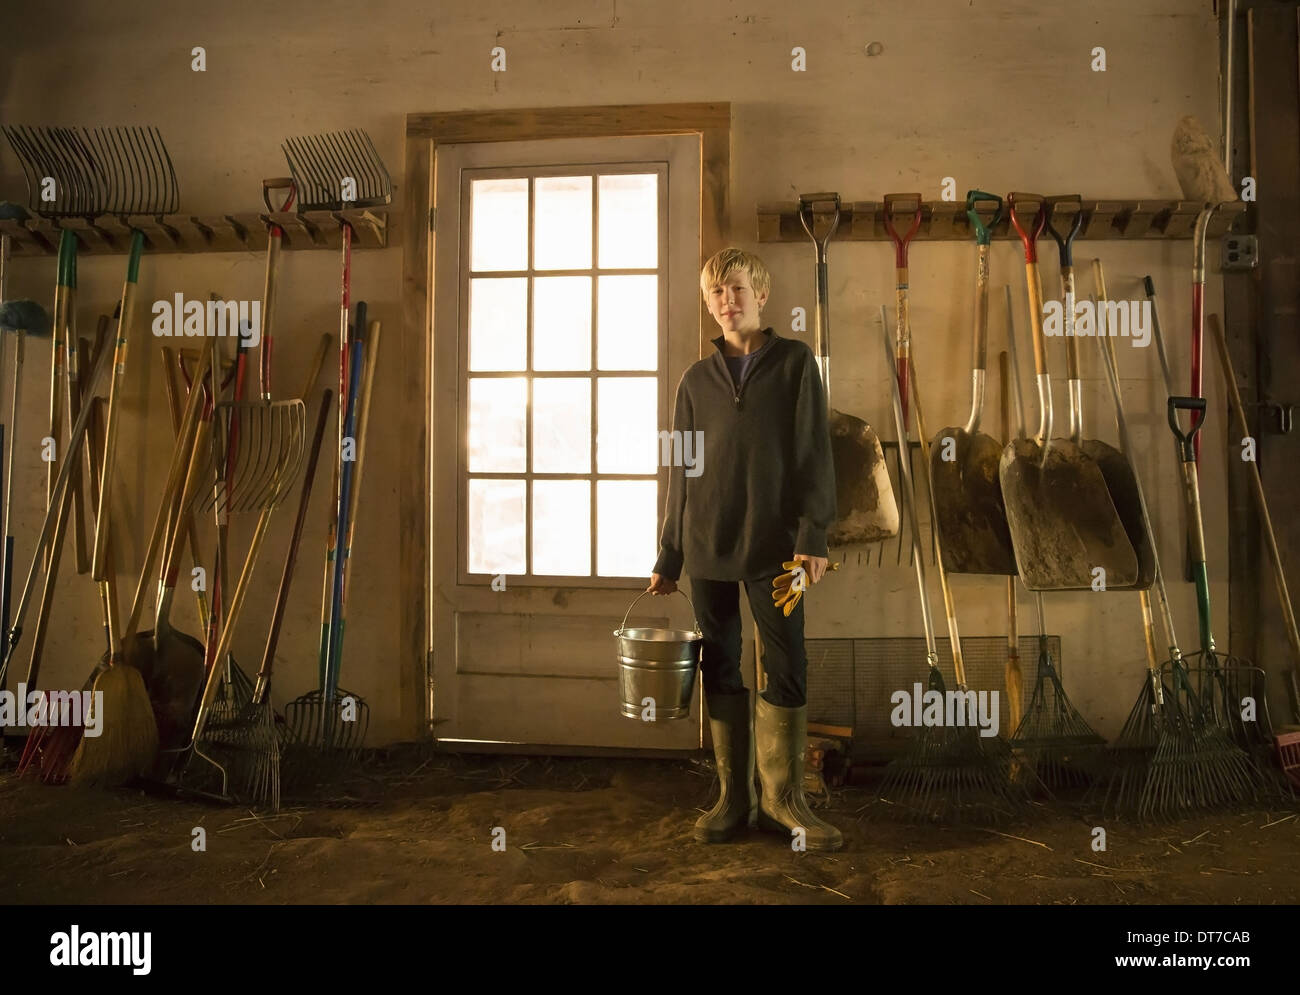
{"x": 424, "y": 132}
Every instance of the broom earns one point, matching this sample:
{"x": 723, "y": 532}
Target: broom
{"x": 946, "y": 772}
{"x": 128, "y": 742}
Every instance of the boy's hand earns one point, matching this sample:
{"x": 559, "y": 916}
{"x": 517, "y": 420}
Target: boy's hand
{"x": 814, "y": 566}
{"x": 661, "y": 585}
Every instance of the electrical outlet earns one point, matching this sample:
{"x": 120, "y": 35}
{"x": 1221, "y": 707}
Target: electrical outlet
{"x": 1240, "y": 252}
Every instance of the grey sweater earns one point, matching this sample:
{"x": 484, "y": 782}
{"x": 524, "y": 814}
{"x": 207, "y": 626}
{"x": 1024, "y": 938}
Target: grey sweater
{"x": 764, "y": 483}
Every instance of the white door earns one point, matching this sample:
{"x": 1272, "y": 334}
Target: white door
{"x": 566, "y": 307}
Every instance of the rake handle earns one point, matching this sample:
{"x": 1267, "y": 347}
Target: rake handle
{"x": 179, "y": 464}
{"x": 905, "y": 471}
{"x": 1012, "y": 676}
{"x": 291, "y": 557}
{"x": 215, "y": 671}
{"x": 949, "y": 605}
{"x": 188, "y": 521}
{"x": 354, "y": 489}
{"x": 60, "y": 487}
{"x": 344, "y": 518}
{"x": 66, "y": 241}
{"x": 99, "y": 564}
{"x": 1257, "y": 488}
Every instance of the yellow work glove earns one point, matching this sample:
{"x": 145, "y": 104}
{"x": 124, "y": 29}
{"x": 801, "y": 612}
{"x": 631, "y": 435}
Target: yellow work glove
{"x": 788, "y": 588}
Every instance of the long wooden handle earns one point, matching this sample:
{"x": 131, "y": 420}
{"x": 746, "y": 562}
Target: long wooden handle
{"x": 179, "y": 464}
{"x": 1012, "y": 675}
{"x": 949, "y": 606}
{"x": 199, "y": 464}
{"x": 72, "y": 387}
{"x": 52, "y": 522}
{"x": 125, "y": 319}
{"x": 1257, "y": 488}
{"x": 231, "y": 615}
{"x": 108, "y": 587}
{"x": 189, "y": 523}
{"x": 367, "y": 383}
{"x": 291, "y": 558}
{"x": 317, "y": 363}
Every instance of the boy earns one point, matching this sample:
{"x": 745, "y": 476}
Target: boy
{"x": 766, "y": 495}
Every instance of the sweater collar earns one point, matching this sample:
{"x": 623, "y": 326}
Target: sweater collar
{"x": 769, "y": 336}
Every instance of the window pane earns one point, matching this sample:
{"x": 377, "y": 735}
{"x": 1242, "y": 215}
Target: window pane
{"x": 498, "y": 323}
{"x": 562, "y": 527}
{"x": 629, "y": 221}
{"x": 562, "y": 323}
{"x": 496, "y": 527}
{"x": 562, "y": 222}
{"x": 499, "y": 224}
{"x": 628, "y": 322}
{"x": 626, "y": 514}
{"x": 562, "y": 426}
{"x": 496, "y": 425}
{"x": 628, "y": 418}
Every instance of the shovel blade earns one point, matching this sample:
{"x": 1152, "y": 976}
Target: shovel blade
{"x": 1118, "y": 474}
{"x": 1062, "y": 521}
{"x": 971, "y": 518}
{"x": 864, "y": 498}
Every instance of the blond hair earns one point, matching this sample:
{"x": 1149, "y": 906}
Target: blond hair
{"x": 727, "y": 261}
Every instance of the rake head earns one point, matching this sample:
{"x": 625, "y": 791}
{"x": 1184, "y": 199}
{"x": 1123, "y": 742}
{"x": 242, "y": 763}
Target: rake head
{"x": 953, "y": 774}
{"x": 1053, "y": 738}
{"x": 267, "y": 441}
{"x": 1196, "y": 765}
{"x": 123, "y": 170}
{"x": 337, "y": 171}
{"x": 322, "y": 735}
{"x": 249, "y": 746}
{"x": 1118, "y": 788}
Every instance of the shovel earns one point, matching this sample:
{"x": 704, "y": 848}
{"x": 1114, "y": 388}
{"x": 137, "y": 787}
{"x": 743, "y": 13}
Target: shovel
{"x": 1063, "y": 524}
{"x": 1114, "y": 465}
{"x": 865, "y": 508}
{"x": 970, "y": 517}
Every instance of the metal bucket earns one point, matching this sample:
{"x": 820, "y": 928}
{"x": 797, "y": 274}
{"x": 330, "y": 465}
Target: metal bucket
{"x": 658, "y": 664}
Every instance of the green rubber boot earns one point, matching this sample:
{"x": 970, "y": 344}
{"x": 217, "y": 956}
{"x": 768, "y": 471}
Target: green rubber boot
{"x": 781, "y": 735}
{"x": 733, "y": 752}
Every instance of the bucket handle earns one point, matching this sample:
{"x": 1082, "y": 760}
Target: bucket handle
{"x": 694, "y": 619}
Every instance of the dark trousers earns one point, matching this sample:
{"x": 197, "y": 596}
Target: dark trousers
{"x": 717, "y": 608}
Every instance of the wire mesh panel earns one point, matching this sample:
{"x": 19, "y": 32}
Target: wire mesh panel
{"x": 850, "y": 681}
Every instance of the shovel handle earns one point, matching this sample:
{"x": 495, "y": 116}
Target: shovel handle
{"x": 983, "y": 232}
{"x": 901, "y": 242}
{"x": 822, "y": 328}
{"x": 1029, "y": 238}
{"x": 1196, "y": 405}
{"x": 1064, "y": 240}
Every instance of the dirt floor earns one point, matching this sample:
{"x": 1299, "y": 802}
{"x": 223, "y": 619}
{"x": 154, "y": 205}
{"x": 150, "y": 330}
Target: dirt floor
{"x": 413, "y": 826}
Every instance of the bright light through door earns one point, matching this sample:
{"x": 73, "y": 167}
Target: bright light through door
{"x": 564, "y": 277}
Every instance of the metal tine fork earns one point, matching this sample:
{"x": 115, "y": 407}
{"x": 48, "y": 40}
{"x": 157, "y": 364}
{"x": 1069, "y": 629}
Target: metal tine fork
{"x": 269, "y": 453}
{"x": 320, "y": 163}
{"x": 118, "y": 170}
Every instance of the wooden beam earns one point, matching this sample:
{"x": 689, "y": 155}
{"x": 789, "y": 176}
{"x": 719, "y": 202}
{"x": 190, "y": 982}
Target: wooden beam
{"x": 1274, "y": 67}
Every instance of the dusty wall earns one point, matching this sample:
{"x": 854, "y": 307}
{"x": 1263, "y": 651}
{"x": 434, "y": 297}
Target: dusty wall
{"x": 995, "y": 94}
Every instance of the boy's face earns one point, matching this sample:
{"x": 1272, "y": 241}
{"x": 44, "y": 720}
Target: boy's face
{"x": 734, "y": 305}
